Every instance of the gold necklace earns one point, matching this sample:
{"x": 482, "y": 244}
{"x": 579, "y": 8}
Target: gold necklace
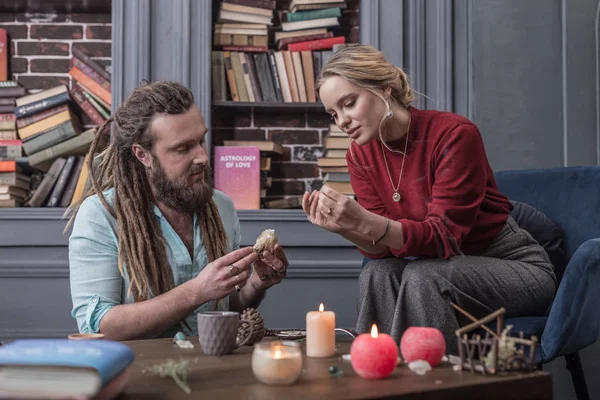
{"x": 396, "y": 197}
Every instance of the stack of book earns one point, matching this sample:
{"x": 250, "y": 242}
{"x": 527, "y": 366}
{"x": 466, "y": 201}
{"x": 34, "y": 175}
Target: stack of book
{"x": 51, "y": 134}
{"x": 15, "y": 181}
{"x": 63, "y": 184}
{"x": 54, "y": 141}
{"x": 241, "y": 32}
{"x": 91, "y": 88}
{"x": 242, "y": 25}
{"x": 45, "y": 119}
{"x": 48, "y": 126}
{"x": 15, "y": 177}
{"x": 311, "y": 25}
{"x": 10, "y": 91}
{"x": 285, "y": 69}
{"x": 333, "y": 164}
{"x": 42, "y": 140}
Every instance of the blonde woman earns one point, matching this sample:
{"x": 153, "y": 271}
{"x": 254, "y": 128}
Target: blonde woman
{"x": 429, "y": 217}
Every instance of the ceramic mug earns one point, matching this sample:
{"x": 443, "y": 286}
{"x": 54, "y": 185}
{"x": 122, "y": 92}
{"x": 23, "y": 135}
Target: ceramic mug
{"x": 217, "y": 331}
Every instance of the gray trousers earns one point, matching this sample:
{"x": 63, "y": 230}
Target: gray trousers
{"x": 514, "y": 272}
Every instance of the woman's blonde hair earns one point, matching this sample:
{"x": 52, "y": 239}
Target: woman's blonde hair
{"x": 367, "y": 68}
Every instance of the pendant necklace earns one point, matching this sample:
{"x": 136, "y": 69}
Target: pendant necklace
{"x": 396, "y": 197}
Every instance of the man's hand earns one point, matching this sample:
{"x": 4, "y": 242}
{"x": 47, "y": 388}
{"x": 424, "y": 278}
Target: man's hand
{"x": 220, "y": 278}
{"x": 269, "y": 269}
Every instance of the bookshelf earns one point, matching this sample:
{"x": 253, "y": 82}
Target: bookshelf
{"x": 299, "y": 122}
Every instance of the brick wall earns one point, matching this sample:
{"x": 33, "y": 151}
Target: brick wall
{"x": 301, "y": 133}
{"x": 41, "y": 45}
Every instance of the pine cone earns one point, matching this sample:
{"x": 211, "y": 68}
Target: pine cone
{"x": 253, "y": 315}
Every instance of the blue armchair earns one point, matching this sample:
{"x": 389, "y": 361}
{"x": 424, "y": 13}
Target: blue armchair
{"x": 570, "y": 197}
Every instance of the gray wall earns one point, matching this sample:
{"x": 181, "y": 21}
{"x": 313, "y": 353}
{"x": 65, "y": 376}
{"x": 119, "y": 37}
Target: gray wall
{"x": 527, "y": 74}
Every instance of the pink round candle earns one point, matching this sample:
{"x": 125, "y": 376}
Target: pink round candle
{"x": 420, "y": 343}
{"x": 374, "y": 355}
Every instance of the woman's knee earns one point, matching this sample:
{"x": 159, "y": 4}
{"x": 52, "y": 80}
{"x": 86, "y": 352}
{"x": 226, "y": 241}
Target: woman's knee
{"x": 420, "y": 279}
{"x": 381, "y": 270}
{"x": 418, "y": 273}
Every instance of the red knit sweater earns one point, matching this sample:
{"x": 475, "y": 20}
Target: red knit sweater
{"x": 450, "y": 202}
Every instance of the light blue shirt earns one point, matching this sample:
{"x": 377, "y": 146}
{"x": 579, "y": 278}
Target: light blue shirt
{"x": 97, "y": 284}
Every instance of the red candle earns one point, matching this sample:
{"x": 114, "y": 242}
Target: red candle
{"x": 420, "y": 343}
{"x": 374, "y": 356}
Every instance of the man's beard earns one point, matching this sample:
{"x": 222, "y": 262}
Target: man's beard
{"x": 178, "y": 193}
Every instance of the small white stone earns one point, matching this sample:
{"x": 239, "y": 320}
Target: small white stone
{"x": 444, "y": 359}
{"x": 419, "y": 367}
{"x": 184, "y": 344}
{"x": 457, "y": 368}
{"x": 454, "y": 359}
{"x": 266, "y": 241}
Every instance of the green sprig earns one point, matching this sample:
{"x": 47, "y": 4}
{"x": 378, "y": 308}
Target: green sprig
{"x": 178, "y": 370}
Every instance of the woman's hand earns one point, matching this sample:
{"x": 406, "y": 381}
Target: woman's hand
{"x": 340, "y": 210}
{"x": 310, "y": 205}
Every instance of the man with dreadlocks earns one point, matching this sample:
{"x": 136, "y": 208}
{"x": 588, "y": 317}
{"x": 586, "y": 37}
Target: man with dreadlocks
{"x": 152, "y": 243}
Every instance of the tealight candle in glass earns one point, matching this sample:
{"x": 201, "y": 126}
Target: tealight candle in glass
{"x": 277, "y": 362}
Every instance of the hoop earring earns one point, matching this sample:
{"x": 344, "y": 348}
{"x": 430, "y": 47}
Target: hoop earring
{"x": 389, "y": 113}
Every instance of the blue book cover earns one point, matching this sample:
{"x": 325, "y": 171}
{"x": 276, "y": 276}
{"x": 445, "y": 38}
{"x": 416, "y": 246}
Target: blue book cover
{"x": 107, "y": 357}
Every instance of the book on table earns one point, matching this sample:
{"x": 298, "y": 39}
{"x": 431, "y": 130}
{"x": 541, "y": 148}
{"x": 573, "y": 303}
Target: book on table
{"x": 61, "y": 368}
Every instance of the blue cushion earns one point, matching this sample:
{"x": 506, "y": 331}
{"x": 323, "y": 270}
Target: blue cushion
{"x": 569, "y": 196}
{"x": 574, "y": 319}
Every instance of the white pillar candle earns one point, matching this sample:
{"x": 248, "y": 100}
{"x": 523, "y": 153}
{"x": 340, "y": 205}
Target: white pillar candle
{"x": 320, "y": 333}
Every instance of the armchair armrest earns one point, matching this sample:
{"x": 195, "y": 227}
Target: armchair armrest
{"x": 574, "y": 320}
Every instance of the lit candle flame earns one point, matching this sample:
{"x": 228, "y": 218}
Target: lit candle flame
{"x": 321, "y": 308}
{"x": 374, "y": 333}
{"x": 277, "y": 354}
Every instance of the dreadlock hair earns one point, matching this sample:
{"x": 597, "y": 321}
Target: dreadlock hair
{"x": 142, "y": 250}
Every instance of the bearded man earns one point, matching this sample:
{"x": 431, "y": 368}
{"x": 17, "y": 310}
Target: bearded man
{"x": 152, "y": 243}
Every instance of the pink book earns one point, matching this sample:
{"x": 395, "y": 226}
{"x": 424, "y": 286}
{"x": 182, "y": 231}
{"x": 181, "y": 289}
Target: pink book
{"x": 237, "y": 174}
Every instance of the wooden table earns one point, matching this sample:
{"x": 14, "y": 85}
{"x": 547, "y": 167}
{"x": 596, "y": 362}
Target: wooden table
{"x": 230, "y": 377}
